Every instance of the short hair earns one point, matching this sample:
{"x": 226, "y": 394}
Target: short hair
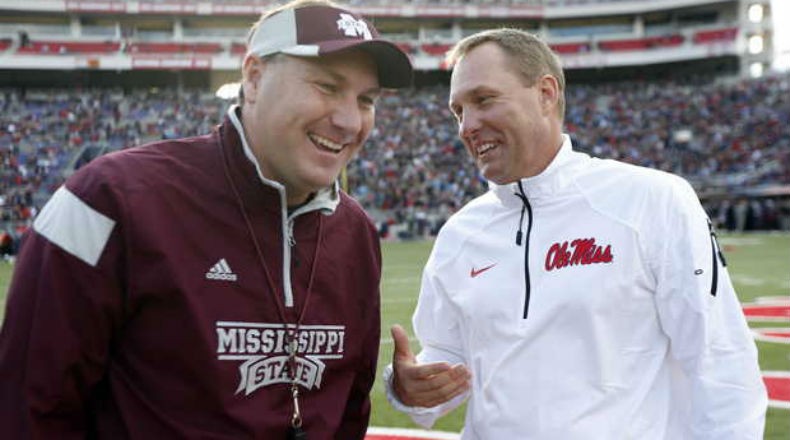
{"x": 530, "y": 56}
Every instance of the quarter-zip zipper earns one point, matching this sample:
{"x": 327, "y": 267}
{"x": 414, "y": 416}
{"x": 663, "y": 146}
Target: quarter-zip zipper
{"x": 716, "y": 255}
{"x": 286, "y": 221}
{"x": 525, "y": 207}
{"x": 288, "y": 295}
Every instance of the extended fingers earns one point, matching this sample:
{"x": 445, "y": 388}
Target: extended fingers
{"x": 426, "y": 371}
{"x": 401, "y": 341}
{"x": 431, "y": 384}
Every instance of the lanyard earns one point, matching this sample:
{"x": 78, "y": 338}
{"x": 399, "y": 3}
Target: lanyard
{"x": 295, "y": 431}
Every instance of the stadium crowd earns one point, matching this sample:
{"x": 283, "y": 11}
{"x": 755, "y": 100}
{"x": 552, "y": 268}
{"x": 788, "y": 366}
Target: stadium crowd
{"x": 440, "y": 2}
{"x": 414, "y": 173}
{"x": 723, "y": 136}
{"x": 44, "y": 134}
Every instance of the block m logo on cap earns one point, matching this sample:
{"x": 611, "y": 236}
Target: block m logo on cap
{"x": 353, "y": 27}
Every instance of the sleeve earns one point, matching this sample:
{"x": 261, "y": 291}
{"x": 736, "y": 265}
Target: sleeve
{"x": 356, "y": 416}
{"x": 64, "y": 304}
{"x": 437, "y": 328}
{"x": 710, "y": 340}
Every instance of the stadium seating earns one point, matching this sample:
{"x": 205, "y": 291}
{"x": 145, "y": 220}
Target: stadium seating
{"x": 715, "y": 35}
{"x": 413, "y": 163}
{"x": 174, "y": 48}
{"x": 641, "y": 43}
{"x": 238, "y": 48}
{"x": 49, "y": 47}
{"x": 435, "y": 49}
{"x": 571, "y": 48}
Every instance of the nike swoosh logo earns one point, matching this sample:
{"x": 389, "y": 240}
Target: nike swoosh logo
{"x": 474, "y": 273}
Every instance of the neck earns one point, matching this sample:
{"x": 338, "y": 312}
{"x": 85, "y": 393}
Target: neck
{"x": 297, "y": 201}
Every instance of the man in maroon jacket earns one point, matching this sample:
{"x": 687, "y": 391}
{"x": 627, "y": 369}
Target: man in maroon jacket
{"x": 219, "y": 286}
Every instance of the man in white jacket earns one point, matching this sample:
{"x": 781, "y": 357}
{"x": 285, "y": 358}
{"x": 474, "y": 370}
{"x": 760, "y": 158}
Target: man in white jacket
{"x": 578, "y": 298}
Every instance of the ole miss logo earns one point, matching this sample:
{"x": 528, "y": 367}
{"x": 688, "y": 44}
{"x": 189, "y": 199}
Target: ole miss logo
{"x": 579, "y": 251}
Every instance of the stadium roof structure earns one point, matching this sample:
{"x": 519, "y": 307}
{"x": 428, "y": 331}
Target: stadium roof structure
{"x": 210, "y": 35}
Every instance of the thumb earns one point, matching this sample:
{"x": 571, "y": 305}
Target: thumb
{"x": 402, "y": 350}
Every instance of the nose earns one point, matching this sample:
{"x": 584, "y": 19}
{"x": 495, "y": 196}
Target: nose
{"x": 348, "y": 116}
{"x": 469, "y": 124}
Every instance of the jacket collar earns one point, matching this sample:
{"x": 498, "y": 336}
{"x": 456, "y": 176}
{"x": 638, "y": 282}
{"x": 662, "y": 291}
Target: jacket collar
{"x": 325, "y": 200}
{"x": 546, "y": 184}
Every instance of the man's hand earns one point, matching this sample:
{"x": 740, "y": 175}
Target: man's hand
{"x": 424, "y": 385}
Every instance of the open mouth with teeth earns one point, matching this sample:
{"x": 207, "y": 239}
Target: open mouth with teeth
{"x": 485, "y": 148}
{"x": 325, "y": 144}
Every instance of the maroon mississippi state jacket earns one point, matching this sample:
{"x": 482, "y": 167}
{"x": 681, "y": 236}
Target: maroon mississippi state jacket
{"x": 140, "y": 307}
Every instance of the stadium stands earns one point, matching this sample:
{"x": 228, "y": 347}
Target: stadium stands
{"x": 43, "y": 133}
{"x": 5, "y": 44}
{"x": 49, "y": 47}
{"x": 594, "y": 33}
{"x": 415, "y": 164}
{"x": 569, "y": 48}
{"x": 715, "y": 35}
{"x": 431, "y": 49}
{"x": 641, "y": 43}
{"x": 175, "y": 48}
{"x": 722, "y": 136}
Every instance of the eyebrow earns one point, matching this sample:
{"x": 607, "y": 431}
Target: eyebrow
{"x": 341, "y": 79}
{"x": 475, "y": 91}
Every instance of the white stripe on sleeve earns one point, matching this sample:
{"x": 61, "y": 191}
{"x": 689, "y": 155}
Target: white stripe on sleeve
{"x": 74, "y": 226}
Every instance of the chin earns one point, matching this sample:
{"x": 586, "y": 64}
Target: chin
{"x": 499, "y": 180}
{"x": 324, "y": 182}
{"x": 490, "y": 176}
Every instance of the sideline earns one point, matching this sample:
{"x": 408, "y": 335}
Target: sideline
{"x": 376, "y": 433}
{"x": 778, "y": 384}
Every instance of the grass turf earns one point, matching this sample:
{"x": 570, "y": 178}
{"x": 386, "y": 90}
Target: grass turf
{"x": 759, "y": 265}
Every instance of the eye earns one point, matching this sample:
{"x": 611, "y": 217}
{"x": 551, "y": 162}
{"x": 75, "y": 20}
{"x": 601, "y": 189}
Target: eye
{"x": 484, "y": 99}
{"x": 327, "y": 87}
{"x": 457, "y": 112}
{"x": 368, "y": 101}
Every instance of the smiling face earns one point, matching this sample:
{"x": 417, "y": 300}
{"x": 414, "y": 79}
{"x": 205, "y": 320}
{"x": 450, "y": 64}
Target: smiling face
{"x": 511, "y": 129}
{"x": 305, "y": 118}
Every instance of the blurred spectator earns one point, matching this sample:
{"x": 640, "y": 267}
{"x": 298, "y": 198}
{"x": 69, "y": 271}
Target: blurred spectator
{"x": 720, "y": 134}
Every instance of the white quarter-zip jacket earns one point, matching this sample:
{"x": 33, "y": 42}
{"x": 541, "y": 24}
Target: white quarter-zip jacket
{"x": 589, "y": 302}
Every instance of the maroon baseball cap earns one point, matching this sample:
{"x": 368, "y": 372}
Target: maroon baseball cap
{"x": 312, "y": 31}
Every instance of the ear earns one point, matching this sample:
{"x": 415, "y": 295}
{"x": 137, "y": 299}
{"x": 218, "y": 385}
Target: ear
{"x": 251, "y": 72}
{"x": 549, "y": 93}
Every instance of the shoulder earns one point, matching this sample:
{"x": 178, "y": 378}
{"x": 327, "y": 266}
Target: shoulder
{"x": 350, "y": 218}
{"x": 149, "y": 164}
{"x": 468, "y": 222}
{"x": 632, "y": 192}
{"x": 351, "y": 232}
{"x": 655, "y": 205}
{"x": 148, "y": 160}
{"x": 350, "y": 210}
{"x": 109, "y": 182}
{"x": 471, "y": 215}
{"x": 607, "y": 172}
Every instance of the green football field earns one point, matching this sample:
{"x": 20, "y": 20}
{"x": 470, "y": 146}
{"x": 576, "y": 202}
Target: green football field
{"x": 759, "y": 265}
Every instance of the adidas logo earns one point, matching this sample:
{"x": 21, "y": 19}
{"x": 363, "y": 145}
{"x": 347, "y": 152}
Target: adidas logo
{"x": 221, "y": 271}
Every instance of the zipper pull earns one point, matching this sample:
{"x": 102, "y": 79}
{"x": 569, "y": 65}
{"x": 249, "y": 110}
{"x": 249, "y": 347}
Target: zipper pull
{"x": 519, "y": 233}
{"x": 290, "y": 232}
